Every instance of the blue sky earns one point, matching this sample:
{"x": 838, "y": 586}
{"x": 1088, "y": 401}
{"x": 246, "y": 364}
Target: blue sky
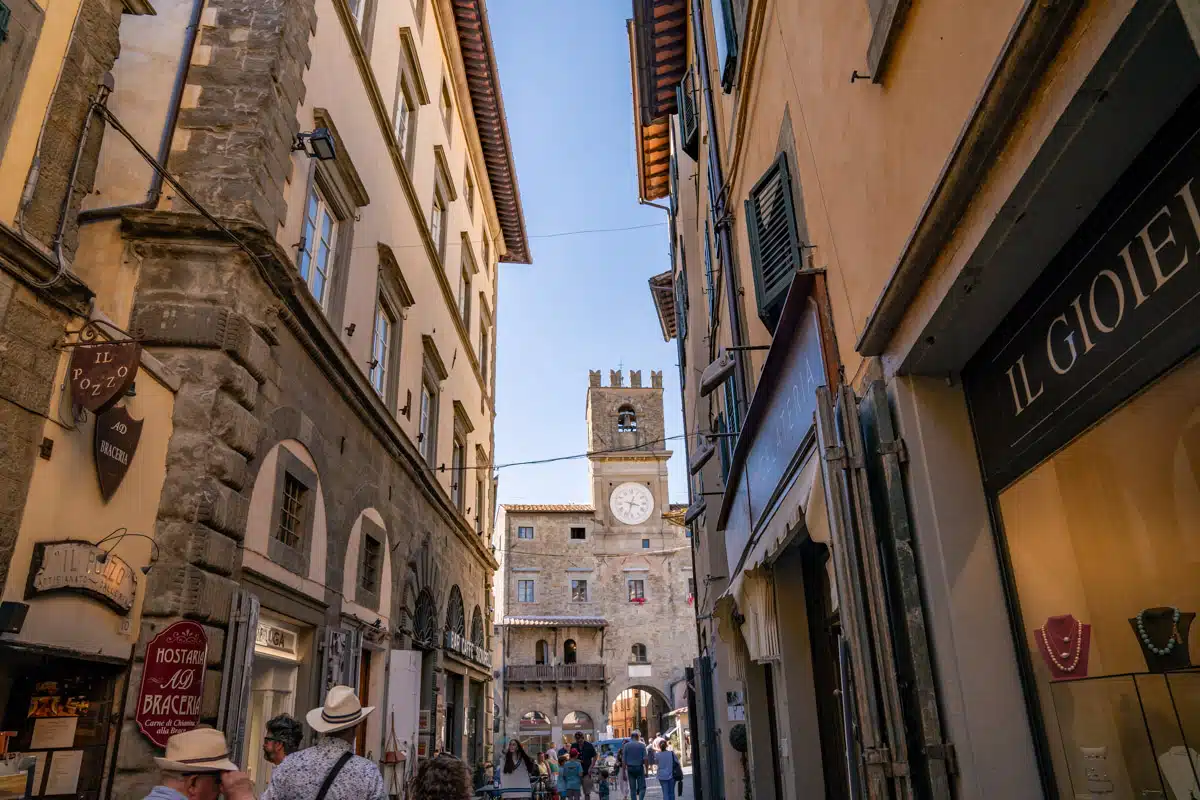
{"x": 585, "y": 303}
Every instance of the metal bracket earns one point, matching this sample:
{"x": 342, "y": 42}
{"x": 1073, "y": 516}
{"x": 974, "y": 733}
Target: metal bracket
{"x": 943, "y": 752}
{"x": 882, "y": 756}
{"x": 836, "y": 456}
{"x": 895, "y": 447}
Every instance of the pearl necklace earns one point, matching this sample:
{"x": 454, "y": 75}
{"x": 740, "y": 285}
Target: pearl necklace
{"x": 1159, "y": 651}
{"x": 1054, "y": 657}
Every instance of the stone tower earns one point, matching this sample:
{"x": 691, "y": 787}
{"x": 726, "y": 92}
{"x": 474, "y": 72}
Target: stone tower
{"x": 627, "y": 448}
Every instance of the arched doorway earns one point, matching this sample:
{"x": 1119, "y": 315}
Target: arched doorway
{"x": 534, "y": 732}
{"x": 579, "y": 722}
{"x": 639, "y": 708}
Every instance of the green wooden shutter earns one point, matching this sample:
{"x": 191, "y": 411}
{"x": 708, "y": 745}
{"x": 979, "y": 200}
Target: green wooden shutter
{"x": 774, "y": 242}
{"x": 689, "y": 119}
{"x": 5, "y": 14}
{"x": 681, "y": 303}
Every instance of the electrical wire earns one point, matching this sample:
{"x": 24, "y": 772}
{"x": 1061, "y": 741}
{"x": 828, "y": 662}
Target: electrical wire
{"x": 555, "y": 459}
{"x": 557, "y": 235}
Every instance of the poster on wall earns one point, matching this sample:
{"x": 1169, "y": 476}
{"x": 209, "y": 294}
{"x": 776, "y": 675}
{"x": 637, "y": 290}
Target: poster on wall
{"x": 168, "y": 701}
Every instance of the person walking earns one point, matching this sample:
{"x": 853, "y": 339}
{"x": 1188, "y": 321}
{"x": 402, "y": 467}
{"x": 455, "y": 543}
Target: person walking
{"x": 283, "y": 738}
{"x": 196, "y": 766}
{"x": 587, "y": 757}
{"x": 516, "y": 775}
{"x": 669, "y": 769}
{"x": 633, "y": 756}
{"x": 570, "y": 776}
{"x": 329, "y": 770}
{"x": 442, "y": 778}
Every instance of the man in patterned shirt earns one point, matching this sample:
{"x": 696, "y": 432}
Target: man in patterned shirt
{"x": 330, "y": 764}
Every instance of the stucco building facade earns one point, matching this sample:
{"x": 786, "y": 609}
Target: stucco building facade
{"x": 594, "y": 601}
{"x": 908, "y": 240}
{"x": 292, "y": 214}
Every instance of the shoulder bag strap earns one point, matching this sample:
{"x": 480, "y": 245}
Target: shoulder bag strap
{"x": 333, "y": 773}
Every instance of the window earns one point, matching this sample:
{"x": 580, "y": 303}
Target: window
{"x": 689, "y": 117}
{"x": 469, "y": 192}
{"x": 464, "y": 293}
{"x": 525, "y": 591}
{"x": 405, "y": 116}
{"x": 480, "y": 511}
{"x": 691, "y": 587}
{"x": 570, "y": 651}
{"x": 458, "y": 473}
{"x": 370, "y": 564}
{"x": 637, "y": 590}
{"x": 723, "y": 449}
{"x": 290, "y": 529}
{"x": 710, "y": 287}
{"x": 485, "y": 349}
{"x": 358, "y": 10}
{"x": 487, "y": 251}
{"x": 381, "y": 345}
{"x": 541, "y": 652}
{"x": 626, "y": 419}
{"x": 437, "y": 224}
{"x": 428, "y": 422}
{"x": 774, "y": 239}
{"x": 645, "y": 544}
{"x": 725, "y": 32}
{"x": 318, "y": 236}
{"x": 579, "y": 591}
{"x": 578, "y": 534}
{"x": 446, "y": 107}
{"x": 681, "y": 295}
{"x": 525, "y": 532}
{"x": 638, "y": 654}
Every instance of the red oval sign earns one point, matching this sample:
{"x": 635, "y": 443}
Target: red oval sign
{"x": 172, "y": 681}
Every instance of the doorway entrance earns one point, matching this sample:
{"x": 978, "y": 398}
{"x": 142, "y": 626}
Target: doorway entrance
{"x": 642, "y": 709}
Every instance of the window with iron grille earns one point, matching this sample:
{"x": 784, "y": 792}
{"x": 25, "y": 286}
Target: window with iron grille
{"x": 689, "y": 117}
{"x": 775, "y": 252}
{"x": 371, "y": 563}
{"x": 290, "y": 530}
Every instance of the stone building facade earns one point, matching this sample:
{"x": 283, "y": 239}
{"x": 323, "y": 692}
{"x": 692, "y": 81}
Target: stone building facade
{"x": 596, "y": 600}
{"x": 315, "y": 394}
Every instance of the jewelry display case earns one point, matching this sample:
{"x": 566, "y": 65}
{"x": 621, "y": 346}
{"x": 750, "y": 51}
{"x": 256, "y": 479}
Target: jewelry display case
{"x": 1134, "y": 736}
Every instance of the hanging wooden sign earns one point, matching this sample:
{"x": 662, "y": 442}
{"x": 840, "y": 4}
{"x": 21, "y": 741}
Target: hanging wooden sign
{"x": 116, "y": 439}
{"x": 102, "y": 373}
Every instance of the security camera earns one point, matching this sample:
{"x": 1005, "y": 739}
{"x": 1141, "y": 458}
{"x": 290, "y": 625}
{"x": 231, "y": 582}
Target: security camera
{"x": 703, "y": 453}
{"x": 716, "y": 373}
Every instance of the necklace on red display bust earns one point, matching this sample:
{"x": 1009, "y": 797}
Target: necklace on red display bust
{"x": 1063, "y": 641}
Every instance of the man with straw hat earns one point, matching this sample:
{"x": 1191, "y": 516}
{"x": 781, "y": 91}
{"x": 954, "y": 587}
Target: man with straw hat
{"x": 329, "y": 770}
{"x": 197, "y": 767}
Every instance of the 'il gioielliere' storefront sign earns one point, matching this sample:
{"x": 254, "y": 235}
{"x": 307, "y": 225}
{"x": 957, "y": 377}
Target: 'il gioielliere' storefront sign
{"x": 1114, "y": 309}
{"x": 168, "y": 701}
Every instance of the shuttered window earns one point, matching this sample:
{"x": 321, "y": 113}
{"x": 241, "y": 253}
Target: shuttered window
{"x": 681, "y": 300}
{"x": 689, "y": 119}
{"x": 774, "y": 242}
{"x": 709, "y": 285}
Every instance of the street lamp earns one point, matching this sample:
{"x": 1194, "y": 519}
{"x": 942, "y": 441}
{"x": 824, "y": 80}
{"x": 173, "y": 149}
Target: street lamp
{"x": 318, "y": 144}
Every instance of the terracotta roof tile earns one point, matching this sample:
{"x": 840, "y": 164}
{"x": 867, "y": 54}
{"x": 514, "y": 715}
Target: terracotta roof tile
{"x": 548, "y": 508}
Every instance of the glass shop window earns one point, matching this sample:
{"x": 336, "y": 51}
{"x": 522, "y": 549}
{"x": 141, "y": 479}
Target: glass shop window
{"x": 1104, "y": 539}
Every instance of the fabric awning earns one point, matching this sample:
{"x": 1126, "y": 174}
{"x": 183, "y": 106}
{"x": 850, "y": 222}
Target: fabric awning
{"x": 752, "y": 591}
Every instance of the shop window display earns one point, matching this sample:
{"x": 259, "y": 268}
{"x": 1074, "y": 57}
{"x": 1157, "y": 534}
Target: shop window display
{"x": 1104, "y": 540}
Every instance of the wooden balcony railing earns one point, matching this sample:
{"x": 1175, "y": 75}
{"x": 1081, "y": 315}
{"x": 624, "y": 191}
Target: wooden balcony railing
{"x": 557, "y": 673}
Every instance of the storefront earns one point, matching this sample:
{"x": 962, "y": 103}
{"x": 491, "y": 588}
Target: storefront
{"x": 1085, "y": 404}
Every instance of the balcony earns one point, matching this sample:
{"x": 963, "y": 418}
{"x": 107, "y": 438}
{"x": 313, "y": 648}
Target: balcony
{"x": 554, "y": 673}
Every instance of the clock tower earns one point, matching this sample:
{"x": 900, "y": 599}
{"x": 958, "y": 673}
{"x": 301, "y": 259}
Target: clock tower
{"x": 627, "y": 454}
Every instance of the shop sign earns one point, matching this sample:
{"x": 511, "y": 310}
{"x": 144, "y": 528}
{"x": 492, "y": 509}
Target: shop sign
{"x": 273, "y": 638}
{"x": 464, "y": 647}
{"x": 1114, "y": 309}
{"x": 116, "y": 440}
{"x": 102, "y": 373}
{"x": 778, "y": 422}
{"x": 82, "y": 568}
{"x": 168, "y": 701}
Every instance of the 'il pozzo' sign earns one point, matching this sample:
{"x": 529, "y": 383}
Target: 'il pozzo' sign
{"x": 168, "y": 701}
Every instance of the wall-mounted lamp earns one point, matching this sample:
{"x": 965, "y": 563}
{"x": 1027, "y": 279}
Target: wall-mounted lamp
{"x": 718, "y": 371}
{"x": 351, "y": 328}
{"x": 694, "y": 511}
{"x": 120, "y": 534}
{"x": 318, "y": 144}
{"x": 703, "y": 453}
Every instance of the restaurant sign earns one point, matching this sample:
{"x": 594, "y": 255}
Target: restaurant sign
{"x": 116, "y": 440}
{"x": 168, "y": 701}
{"x": 1113, "y": 310}
{"x": 101, "y": 373}
{"x": 82, "y": 568}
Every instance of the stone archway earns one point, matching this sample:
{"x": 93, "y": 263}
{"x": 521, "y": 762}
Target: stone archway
{"x": 639, "y": 707}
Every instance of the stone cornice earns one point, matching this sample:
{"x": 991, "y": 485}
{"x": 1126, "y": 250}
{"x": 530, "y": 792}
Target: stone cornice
{"x": 304, "y": 318}
{"x": 29, "y": 264}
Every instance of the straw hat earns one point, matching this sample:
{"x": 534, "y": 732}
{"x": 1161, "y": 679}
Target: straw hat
{"x": 341, "y": 710}
{"x": 197, "y": 750}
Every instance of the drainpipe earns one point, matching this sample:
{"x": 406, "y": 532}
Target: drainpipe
{"x": 716, "y": 201}
{"x": 164, "y": 145}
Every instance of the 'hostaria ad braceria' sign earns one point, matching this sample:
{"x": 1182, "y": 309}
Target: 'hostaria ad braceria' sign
{"x": 172, "y": 681}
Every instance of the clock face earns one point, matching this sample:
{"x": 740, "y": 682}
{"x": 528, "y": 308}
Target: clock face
{"x": 631, "y": 503}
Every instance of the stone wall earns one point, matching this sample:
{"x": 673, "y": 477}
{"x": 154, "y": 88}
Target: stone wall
{"x": 604, "y": 403}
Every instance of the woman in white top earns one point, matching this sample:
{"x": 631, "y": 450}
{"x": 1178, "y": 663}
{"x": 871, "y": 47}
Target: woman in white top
{"x": 516, "y": 774}
{"x": 667, "y": 763}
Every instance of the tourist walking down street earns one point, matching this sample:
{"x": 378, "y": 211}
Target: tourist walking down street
{"x": 587, "y": 757}
{"x": 570, "y": 777}
{"x": 633, "y": 756}
{"x": 669, "y": 770}
{"x": 196, "y": 766}
{"x": 329, "y": 770}
{"x": 516, "y": 775}
{"x": 283, "y": 738}
{"x": 442, "y": 778}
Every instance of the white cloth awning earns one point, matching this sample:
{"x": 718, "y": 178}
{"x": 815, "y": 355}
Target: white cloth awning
{"x": 752, "y": 589}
